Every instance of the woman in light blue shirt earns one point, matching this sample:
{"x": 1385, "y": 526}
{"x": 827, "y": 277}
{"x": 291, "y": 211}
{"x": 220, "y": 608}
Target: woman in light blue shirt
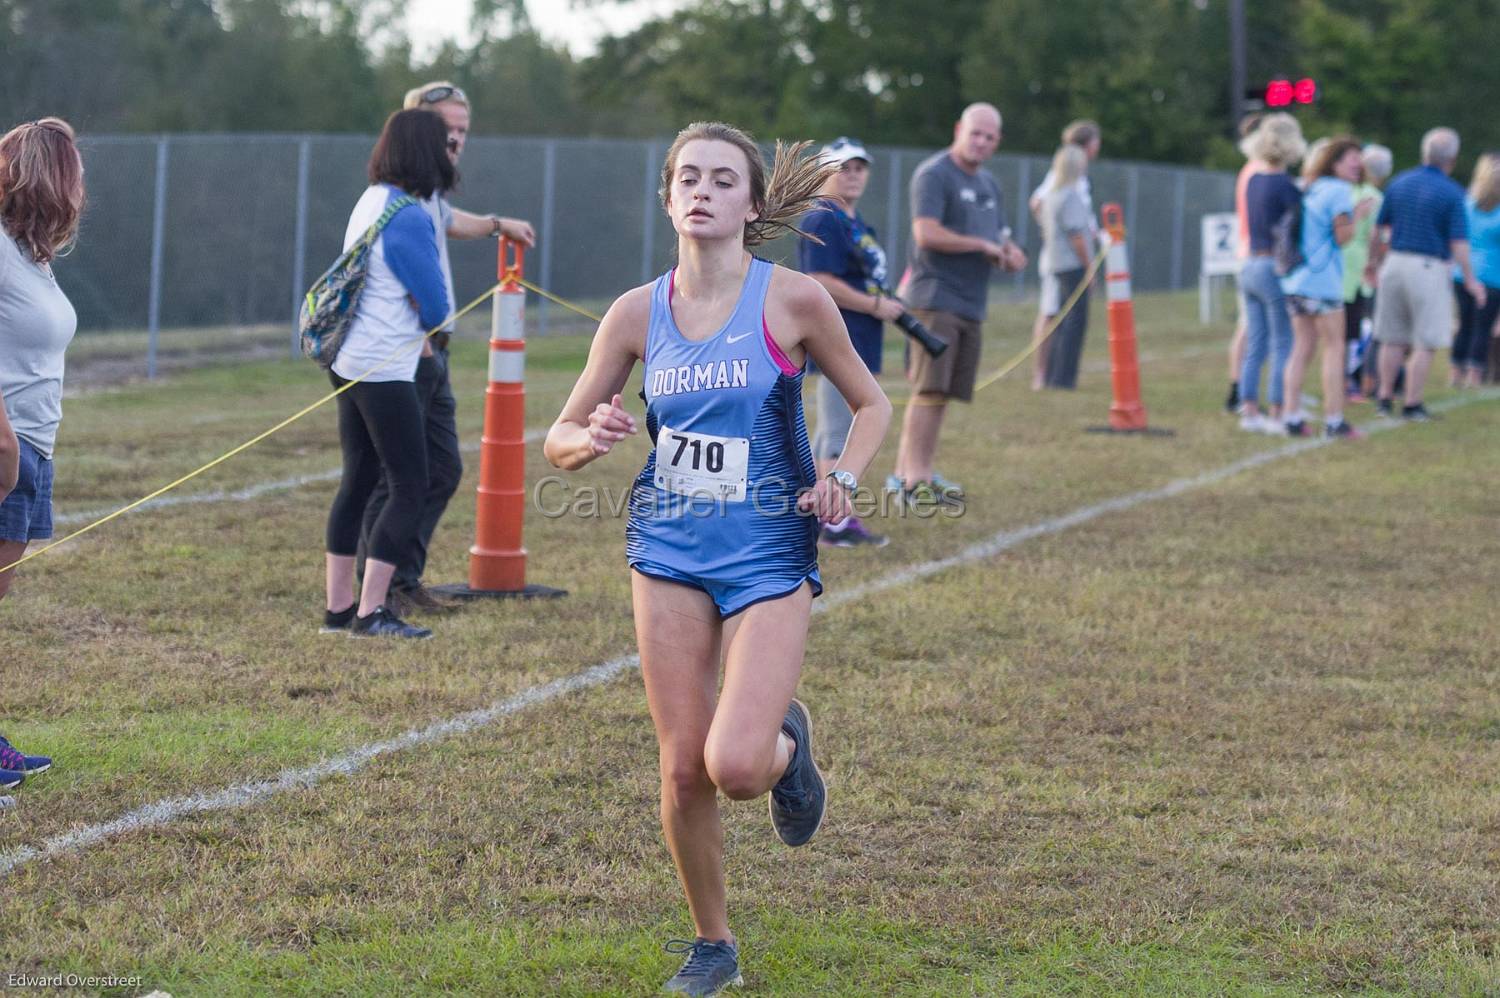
{"x": 1476, "y": 325}
{"x": 41, "y": 200}
{"x": 1315, "y": 290}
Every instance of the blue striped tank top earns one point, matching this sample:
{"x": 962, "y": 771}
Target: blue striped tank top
{"x": 717, "y": 498}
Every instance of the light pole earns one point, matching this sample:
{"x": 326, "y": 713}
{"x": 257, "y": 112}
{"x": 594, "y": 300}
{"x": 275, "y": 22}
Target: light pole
{"x": 1236, "y": 64}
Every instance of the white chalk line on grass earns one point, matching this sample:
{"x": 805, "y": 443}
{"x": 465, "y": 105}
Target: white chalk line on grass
{"x": 259, "y": 489}
{"x": 232, "y": 798}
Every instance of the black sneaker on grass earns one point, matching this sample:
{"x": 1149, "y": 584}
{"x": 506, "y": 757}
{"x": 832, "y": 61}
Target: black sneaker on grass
{"x": 1416, "y": 413}
{"x": 1232, "y": 401}
{"x": 800, "y": 797}
{"x": 381, "y": 623}
{"x": 1342, "y": 431}
{"x": 1384, "y": 407}
{"x": 710, "y": 967}
{"x": 338, "y": 623}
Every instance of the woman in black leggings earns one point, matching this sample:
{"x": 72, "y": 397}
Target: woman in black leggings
{"x": 380, "y": 419}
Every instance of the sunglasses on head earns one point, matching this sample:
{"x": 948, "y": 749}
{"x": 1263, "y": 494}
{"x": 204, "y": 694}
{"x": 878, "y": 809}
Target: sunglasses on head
{"x": 436, "y": 95}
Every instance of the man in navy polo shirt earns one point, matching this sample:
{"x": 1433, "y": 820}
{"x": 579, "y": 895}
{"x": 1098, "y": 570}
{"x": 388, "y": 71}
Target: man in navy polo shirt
{"x": 1422, "y": 230}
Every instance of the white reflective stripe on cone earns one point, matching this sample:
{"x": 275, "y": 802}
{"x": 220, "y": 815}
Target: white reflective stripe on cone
{"x": 508, "y": 318}
{"x": 508, "y": 366}
{"x": 1117, "y": 287}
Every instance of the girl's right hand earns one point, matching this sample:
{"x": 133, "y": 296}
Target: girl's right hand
{"x": 608, "y": 425}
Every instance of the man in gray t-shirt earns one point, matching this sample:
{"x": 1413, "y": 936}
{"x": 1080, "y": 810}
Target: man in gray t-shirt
{"x": 958, "y": 228}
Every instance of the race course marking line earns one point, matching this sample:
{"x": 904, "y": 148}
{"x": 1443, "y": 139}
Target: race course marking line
{"x": 167, "y": 811}
{"x": 532, "y": 436}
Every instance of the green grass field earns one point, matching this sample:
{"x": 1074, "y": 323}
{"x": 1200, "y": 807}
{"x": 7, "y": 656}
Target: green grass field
{"x": 1241, "y": 740}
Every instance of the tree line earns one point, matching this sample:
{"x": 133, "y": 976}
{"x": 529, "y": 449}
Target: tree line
{"x": 1153, "y": 72}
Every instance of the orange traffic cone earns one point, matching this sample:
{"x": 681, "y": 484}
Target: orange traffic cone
{"x": 497, "y": 561}
{"x": 1126, "y": 413}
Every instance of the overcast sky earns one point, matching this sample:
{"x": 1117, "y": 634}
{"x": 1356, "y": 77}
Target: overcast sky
{"x": 431, "y": 21}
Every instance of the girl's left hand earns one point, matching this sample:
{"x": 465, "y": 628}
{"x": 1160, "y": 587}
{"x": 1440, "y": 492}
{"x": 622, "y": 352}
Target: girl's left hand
{"x": 827, "y": 501}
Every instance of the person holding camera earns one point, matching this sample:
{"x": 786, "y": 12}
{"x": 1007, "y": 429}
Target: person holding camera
{"x": 848, "y": 261}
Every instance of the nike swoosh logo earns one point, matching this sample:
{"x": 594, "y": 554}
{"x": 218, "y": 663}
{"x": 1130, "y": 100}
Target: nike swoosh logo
{"x": 736, "y": 339}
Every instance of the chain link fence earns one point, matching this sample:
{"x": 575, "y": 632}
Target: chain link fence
{"x": 219, "y": 232}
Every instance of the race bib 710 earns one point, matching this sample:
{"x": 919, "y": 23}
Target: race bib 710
{"x": 702, "y": 465}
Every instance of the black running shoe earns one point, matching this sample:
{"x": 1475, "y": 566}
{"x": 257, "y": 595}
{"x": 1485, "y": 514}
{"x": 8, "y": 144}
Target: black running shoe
{"x": 710, "y": 967}
{"x": 1342, "y": 431}
{"x": 381, "y": 623}
{"x": 1384, "y": 407}
{"x": 1232, "y": 402}
{"x": 1416, "y": 413}
{"x": 338, "y": 623}
{"x": 800, "y": 797}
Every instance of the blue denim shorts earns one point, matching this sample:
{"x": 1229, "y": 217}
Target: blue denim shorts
{"x": 26, "y": 514}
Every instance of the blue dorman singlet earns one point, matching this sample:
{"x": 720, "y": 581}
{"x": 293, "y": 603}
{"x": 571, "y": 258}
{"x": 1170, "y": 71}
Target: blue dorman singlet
{"x": 717, "y": 498}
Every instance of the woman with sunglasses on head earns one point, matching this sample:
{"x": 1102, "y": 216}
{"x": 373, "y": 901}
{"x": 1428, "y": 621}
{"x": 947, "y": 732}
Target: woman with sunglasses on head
{"x": 380, "y": 420}
{"x": 41, "y": 201}
{"x": 722, "y": 533}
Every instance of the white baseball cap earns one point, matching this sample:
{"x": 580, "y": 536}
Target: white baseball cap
{"x": 841, "y": 150}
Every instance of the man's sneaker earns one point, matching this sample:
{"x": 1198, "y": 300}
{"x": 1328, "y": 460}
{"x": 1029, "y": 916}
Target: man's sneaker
{"x": 942, "y": 486}
{"x": 382, "y": 623}
{"x": 1342, "y": 431}
{"x": 710, "y": 967}
{"x": 1384, "y": 407}
{"x": 923, "y": 494}
{"x": 338, "y": 623}
{"x": 1416, "y": 413}
{"x": 11, "y": 778}
{"x": 31, "y": 765}
{"x": 1297, "y": 428}
{"x": 419, "y": 597}
{"x": 1232, "y": 402}
{"x": 851, "y": 534}
{"x": 945, "y": 488}
{"x": 800, "y": 797}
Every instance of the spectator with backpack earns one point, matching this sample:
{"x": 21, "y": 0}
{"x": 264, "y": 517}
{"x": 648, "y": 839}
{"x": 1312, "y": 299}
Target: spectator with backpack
{"x": 381, "y": 429}
{"x": 1315, "y": 289}
{"x": 434, "y": 386}
{"x": 1271, "y": 202}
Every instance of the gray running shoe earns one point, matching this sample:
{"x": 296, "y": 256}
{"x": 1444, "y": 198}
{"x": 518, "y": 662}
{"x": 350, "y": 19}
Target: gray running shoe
{"x": 800, "y": 797}
{"x": 710, "y": 967}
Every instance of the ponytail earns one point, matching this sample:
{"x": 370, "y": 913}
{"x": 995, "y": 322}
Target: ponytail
{"x": 795, "y": 186}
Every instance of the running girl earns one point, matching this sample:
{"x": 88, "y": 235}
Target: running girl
{"x": 724, "y": 517}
